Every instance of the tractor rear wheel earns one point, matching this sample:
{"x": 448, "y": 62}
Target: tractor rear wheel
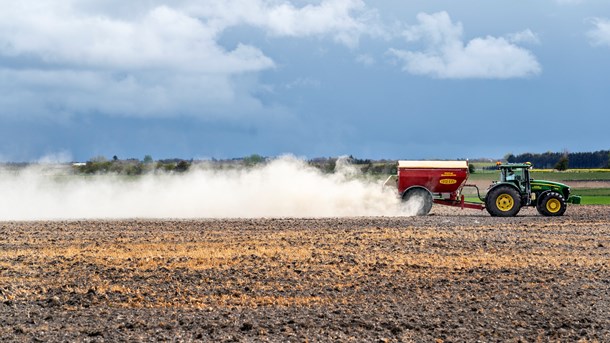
{"x": 418, "y": 201}
{"x": 552, "y": 204}
{"x": 503, "y": 201}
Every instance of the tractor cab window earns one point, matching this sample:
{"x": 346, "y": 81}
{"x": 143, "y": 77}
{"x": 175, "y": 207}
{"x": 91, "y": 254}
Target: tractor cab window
{"x": 517, "y": 174}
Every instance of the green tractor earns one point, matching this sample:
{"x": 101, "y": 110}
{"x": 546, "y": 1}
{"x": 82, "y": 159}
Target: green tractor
{"x": 515, "y": 190}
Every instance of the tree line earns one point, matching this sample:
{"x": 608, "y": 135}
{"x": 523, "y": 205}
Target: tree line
{"x": 131, "y": 166}
{"x": 564, "y": 160}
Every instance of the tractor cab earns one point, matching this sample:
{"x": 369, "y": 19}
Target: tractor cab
{"x": 517, "y": 174}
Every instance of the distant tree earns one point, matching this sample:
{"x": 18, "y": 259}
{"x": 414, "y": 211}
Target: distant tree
{"x": 115, "y": 158}
{"x": 253, "y": 159}
{"x": 562, "y": 164}
{"x": 165, "y": 166}
{"x": 132, "y": 169}
{"x": 354, "y": 160}
{"x": 182, "y": 166}
{"x": 97, "y": 164}
{"x": 329, "y": 166}
{"x": 148, "y": 159}
{"x": 471, "y": 168}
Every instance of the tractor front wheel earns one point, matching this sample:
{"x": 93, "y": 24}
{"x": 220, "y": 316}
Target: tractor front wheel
{"x": 417, "y": 201}
{"x": 503, "y": 201}
{"x": 552, "y": 204}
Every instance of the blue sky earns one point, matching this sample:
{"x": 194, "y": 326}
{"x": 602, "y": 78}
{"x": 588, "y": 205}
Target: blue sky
{"x": 374, "y": 79}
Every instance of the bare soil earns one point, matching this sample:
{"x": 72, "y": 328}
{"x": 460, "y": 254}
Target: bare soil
{"x": 452, "y": 276}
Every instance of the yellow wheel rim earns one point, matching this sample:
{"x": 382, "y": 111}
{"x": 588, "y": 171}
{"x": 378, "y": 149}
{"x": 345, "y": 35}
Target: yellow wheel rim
{"x": 553, "y": 205}
{"x": 505, "y": 202}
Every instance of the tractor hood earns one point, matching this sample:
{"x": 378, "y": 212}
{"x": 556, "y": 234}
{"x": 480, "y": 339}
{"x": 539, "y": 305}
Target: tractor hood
{"x": 539, "y": 186}
{"x": 548, "y": 185}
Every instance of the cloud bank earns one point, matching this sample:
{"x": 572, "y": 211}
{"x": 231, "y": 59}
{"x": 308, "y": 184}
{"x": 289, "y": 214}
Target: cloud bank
{"x": 165, "y": 59}
{"x": 447, "y": 56}
{"x": 154, "y": 58}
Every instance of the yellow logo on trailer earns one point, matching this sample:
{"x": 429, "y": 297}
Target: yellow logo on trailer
{"x": 448, "y": 174}
{"x": 448, "y": 181}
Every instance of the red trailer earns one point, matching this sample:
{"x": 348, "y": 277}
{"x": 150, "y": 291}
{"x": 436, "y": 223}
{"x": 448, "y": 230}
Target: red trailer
{"x": 428, "y": 182}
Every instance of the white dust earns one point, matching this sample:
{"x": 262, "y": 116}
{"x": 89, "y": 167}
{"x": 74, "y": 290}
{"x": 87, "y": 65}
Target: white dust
{"x": 413, "y": 205}
{"x": 284, "y": 187}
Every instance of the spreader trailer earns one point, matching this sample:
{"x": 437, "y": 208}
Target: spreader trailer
{"x": 442, "y": 182}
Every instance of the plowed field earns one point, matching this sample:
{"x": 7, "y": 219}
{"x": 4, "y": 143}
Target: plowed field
{"x": 449, "y": 277}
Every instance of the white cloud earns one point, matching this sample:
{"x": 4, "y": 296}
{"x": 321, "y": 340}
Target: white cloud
{"x": 600, "y": 34}
{"x": 447, "y": 56}
{"x": 344, "y": 20}
{"x": 161, "y": 38}
{"x": 184, "y": 36}
{"x": 526, "y": 36}
{"x": 153, "y": 58}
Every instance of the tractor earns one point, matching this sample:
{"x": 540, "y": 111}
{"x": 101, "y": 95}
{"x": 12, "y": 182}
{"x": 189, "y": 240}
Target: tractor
{"x": 516, "y": 189}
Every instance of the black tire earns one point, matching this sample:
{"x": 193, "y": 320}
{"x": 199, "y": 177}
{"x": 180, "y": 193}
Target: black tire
{"x": 553, "y": 204}
{"x": 539, "y": 202}
{"x": 503, "y": 201}
{"x": 418, "y": 201}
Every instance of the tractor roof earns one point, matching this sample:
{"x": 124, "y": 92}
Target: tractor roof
{"x": 515, "y": 165}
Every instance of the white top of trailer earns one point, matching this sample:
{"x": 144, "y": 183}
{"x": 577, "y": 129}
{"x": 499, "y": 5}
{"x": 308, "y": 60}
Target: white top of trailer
{"x": 433, "y": 164}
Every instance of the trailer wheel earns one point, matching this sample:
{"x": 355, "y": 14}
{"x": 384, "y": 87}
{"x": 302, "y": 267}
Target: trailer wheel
{"x": 418, "y": 201}
{"x": 552, "y": 204}
{"x": 503, "y": 201}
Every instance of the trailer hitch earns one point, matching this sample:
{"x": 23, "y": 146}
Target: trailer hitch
{"x": 478, "y": 192}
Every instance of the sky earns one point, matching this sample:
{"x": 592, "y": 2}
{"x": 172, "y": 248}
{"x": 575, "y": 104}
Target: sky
{"x": 414, "y": 79}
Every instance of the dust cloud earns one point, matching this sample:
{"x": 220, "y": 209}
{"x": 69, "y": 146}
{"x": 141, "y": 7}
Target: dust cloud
{"x": 414, "y": 205}
{"x": 284, "y": 187}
